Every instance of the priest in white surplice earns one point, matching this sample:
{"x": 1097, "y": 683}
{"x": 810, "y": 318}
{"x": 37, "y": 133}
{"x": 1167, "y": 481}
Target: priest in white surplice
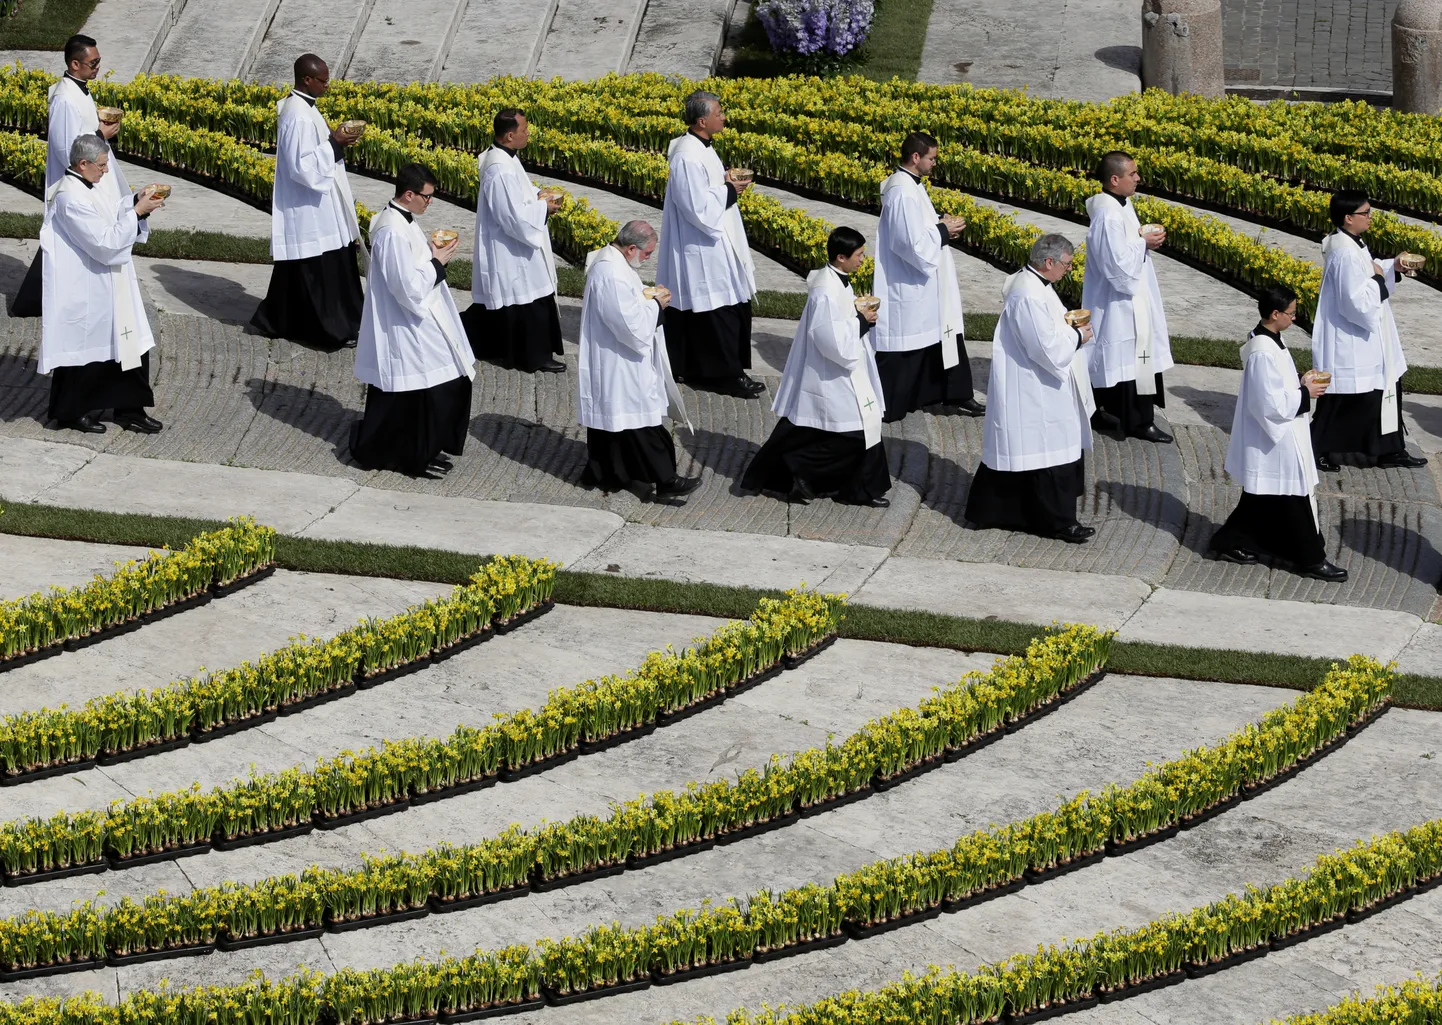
{"x": 1355, "y": 337}
{"x": 513, "y": 320}
{"x": 920, "y": 352}
{"x": 412, "y": 355}
{"x": 705, "y": 260}
{"x": 626, "y": 386}
{"x": 95, "y": 339}
{"x": 1120, "y": 288}
{"x": 72, "y": 114}
{"x": 315, "y": 290}
{"x": 828, "y": 439}
{"x": 1039, "y": 405}
{"x": 1270, "y": 454}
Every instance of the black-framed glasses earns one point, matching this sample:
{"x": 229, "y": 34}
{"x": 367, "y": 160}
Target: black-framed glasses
{"x": 427, "y": 196}
{"x": 92, "y": 65}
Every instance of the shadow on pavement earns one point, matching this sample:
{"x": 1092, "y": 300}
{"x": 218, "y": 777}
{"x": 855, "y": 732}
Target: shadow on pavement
{"x": 534, "y": 445}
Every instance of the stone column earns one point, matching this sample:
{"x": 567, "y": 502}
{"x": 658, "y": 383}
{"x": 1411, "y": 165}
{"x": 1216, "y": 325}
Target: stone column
{"x": 1182, "y": 46}
{"x": 1417, "y": 56}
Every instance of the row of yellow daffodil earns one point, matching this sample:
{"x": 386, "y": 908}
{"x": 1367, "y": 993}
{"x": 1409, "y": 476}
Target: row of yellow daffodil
{"x": 130, "y": 723}
{"x": 1357, "y": 881}
{"x": 29, "y": 626}
{"x": 352, "y": 784}
{"x": 1413, "y": 1002}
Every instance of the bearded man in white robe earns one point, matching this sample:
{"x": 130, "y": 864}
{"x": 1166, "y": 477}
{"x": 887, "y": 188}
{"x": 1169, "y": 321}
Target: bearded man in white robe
{"x": 1355, "y": 338}
{"x": 315, "y": 290}
{"x": 919, "y": 338}
{"x": 828, "y": 438}
{"x": 624, "y": 373}
{"x": 1038, "y": 409}
{"x": 95, "y": 339}
{"x": 1270, "y": 453}
{"x": 412, "y": 355}
{"x": 513, "y": 320}
{"x": 1120, "y": 288}
{"x": 72, "y": 114}
{"x": 705, "y": 260}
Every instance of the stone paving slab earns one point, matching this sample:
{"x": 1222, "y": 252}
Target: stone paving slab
{"x": 589, "y": 38}
{"x": 28, "y": 468}
{"x": 1314, "y": 44}
{"x": 215, "y": 38}
{"x": 681, "y": 37}
{"x": 330, "y": 30}
{"x": 402, "y": 41}
{"x": 33, "y": 564}
{"x": 130, "y": 34}
{"x": 496, "y": 37}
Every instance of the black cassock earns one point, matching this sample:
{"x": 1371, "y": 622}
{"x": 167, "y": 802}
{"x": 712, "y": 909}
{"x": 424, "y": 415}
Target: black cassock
{"x": 619, "y": 459}
{"x": 1351, "y": 425}
{"x": 1134, "y": 412}
{"x": 832, "y": 462}
{"x": 405, "y": 430}
{"x": 714, "y": 345}
{"x": 1039, "y": 501}
{"x": 1279, "y": 526}
{"x": 316, "y": 301}
{"x": 75, "y": 391}
{"x": 524, "y": 336}
{"x": 917, "y": 378}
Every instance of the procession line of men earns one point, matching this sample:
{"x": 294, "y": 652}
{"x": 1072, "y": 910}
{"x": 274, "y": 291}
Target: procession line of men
{"x": 851, "y": 367}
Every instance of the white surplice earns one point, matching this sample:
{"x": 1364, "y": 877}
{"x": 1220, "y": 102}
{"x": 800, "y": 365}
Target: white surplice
{"x": 1120, "y": 288}
{"x": 1353, "y": 334}
{"x": 915, "y": 274}
{"x": 312, "y": 210}
{"x": 1270, "y": 452}
{"x": 92, "y": 308}
{"x": 1039, "y": 399}
{"x": 830, "y": 380}
{"x": 623, "y": 372}
{"x": 511, "y": 261}
{"x": 73, "y": 114}
{"x": 703, "y": 256}
{"x": 411, "y": 335}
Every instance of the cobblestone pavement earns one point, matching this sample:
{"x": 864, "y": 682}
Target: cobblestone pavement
{"x": 1319, "y": 44}
{"x": 233, "y": 398}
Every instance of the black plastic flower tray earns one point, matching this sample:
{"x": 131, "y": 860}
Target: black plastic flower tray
{"x": 839, "y": 801}
{"x": 154, "y": 858}
{"x": 541, "y": 885}
{"x": 792, "y": 661}
{"x": 756, "y": 679}
{"x": 439, "y": 655}
{"x": 90, "y": 869}
{"x": 371, "y": 921}
{"x": 456, "y": 1017}
{"x": 1137, "y": 989}
{"x": 470, "y": 786}
{"x": 40, "y": 971}
{"x": 246, "y": 942}
{"x": 857, "y": 931}
{"x": 972, "y": 900}
{"x": 1054, "y": 1011}
{"x": 19, "y": 778}
{"x": 425, "y": 1019}
{"x": 49, "y": 651}
{"x": 1362, "y": 724}
{"x": 1033, "y": 875}
{"x": 194, "y": 950}
{"x": 107, "y": 632}
{"x": 556, "y": 999}
{"x": 520, "y": 619}
{"x": 221, "y": 842}
{"x": 336, "y": 821}
{"x": 666, "y": 718}
{"x": 1117, "y": 847}
{"x": 540, "y": 765}
{"x": 120, "y": 757}
{"x": 593, "y": 747}
{"x": 1303, "y": 935}
{"x": 325, "y": 697}
{"x": 884, "y": 783}
{"x": 757, "y": 828}
{"x": 227, "y": 729}
{"x": 1362, "y": 914}
{"x": 975, "y": 744}
{"x": 363, "y": 682}
{"x": 705, "y": 971}
{"x": 1201, "y": 971}
{"x": 635, "y": 861}
{"x": 440, "y": 906}
{"x": 240, "y": 583}
{"x": 796, "y": 949}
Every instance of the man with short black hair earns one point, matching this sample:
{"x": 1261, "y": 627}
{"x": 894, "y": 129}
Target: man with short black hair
{"x": 315, "y": 291}
{"x": 412, "y": 353}
{"x": 513, "y": 320}
{"x": 919, "y": 340}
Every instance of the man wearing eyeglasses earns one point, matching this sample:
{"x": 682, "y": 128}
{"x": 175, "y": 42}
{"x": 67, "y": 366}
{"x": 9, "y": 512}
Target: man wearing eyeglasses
{"x": 413, "y": 354}
{"x": 73, "y": 114}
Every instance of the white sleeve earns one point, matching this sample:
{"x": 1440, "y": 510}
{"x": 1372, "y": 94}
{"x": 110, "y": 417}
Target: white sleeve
{"x": 1049, "y": 342}
{"x": 409, "y": 283}
{"x": 64, "y": 129}
{"x": 313, "y": 166}
{"x": 1357, "y": 298}
{"x": 81, "y": 226}
{"x": 516, "y": 207}
{"x": 827, "y": 333}
{"x": 630, "y": 317}
{"x": 699, "y": 202}
{"x": 915, "y": 237}
{"x": 1120, "y": 259}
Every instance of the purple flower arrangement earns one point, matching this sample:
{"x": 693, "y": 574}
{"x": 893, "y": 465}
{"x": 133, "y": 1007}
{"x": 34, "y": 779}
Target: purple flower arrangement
{"x": 816, "y": 27}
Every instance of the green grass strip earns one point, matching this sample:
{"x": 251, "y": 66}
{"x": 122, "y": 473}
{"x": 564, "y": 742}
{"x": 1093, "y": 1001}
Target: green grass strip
{"x": 606, "y": 590}
{"x": 44, "y": 25}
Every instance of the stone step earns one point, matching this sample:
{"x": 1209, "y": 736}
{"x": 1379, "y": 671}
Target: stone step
{"x": 405, "y": 40}
{"x": 681, "y": 37}
{"x": 215, "y": 38}
{"x": 130, "y": 34}
{"x": 588, "y": 38}
{"x": 497, "y": 37}
{"x": 330, "y": 30}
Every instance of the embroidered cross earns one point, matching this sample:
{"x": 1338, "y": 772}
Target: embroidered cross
{"x": 869, "y": 403}
{"x": 1144, "y": 358}
{"x": 125, "y": 334}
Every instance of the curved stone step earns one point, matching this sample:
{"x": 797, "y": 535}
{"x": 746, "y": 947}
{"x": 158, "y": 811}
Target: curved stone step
{"x": 330, "y": 30}
{"x": 497, "y": 37}
{"x": 681, "y": 37}
{"x": 215, "y": 38}
{"x": 588, "y": 38}
{"x": 403, "y": 40}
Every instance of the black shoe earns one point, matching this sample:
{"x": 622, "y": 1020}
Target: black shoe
{"x": 801, "y": 492}
{"x": 1104, "y": 421}
{"x": 443, "y": 463}
{"x": 1074, "y": 535}
{"x": 1324, "y": 570}
{"x": 552, "y": 366}
{"x": 969, "y": 407}
{"x": 1400, "y": 461}
{"x": 138, "y": 422}
{"x": 1327, "y": 466}
{"x": 1151, "y": 433}
{"x": 746, "y": 387}
{"x": 677, "y": 486}
{"x": 349, "y": 343}
{"x": 87, "y": 424}
{"x": 1237, "y": 555}
{"x": 868, "y": 503}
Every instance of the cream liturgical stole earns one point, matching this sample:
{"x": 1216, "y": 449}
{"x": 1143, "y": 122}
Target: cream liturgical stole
{"x": 1391, "y": 411}
{"x": 391, "y": 219}
{"x": 1081, "y": 381}
{"x": 1302, "y": 425}
{"x": 126, "y": 326}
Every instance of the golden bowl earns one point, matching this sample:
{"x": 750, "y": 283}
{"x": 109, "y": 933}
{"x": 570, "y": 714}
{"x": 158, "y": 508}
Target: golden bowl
{"x": 743, "y": 175}
{"x": 867, "y": 304}
{"x": 444, "y": 236}
{"x": 1322, "y": 376}
{"x": 109, "y": 115}
{"x": 160, "y": 191}
{"x": 1151, "y": 229}
{"x": 551, "y": 192}
{"x": 1078, "y": 318}
{"x": 1411, "y": 261}
{"x": 656, "y": 292}
{"x": 354, "y": 127}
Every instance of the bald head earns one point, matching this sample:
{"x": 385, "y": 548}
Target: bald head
{"x": 312, "y": 76}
